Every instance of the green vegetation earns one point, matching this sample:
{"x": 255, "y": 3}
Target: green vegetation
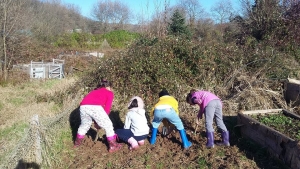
{"x": 202, "y": 163}
{"x": 119, "y": 38}
{"x": 11, "y": 135}
{"x": 282, "y": 123}
{"x": 226, "y": 58}
{"x": 177, "y": 27}
{"x": 55, "y": 146}
{"x": 18, "y": 129}
{"x": 116, "y": 39}
{"x": 16, "y": 101}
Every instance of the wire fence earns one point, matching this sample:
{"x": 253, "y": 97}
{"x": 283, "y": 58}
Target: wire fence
{"x": 34, "y": 149}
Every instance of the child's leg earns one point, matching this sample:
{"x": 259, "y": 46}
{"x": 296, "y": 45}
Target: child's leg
{"x": 158, "y": 117}
{"x": 209, "y": 116}
{"x": 102, "y": 119}
{"x": 219, "y": 116}
{"x": 86, "y": 120}
{"x": 173, "y": 117}
{"x": 124, "y": 134}
{"x": 141, "y": 139}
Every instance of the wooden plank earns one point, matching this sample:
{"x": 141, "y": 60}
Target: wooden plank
{"x": 278, "y": 144}
{"x": 295, "y": 81}
{"x": 261, "y": 111}
{"x": 291, "y": 114}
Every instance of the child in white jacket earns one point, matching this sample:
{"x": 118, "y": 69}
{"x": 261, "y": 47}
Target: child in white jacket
{"x": 136, "y": 129}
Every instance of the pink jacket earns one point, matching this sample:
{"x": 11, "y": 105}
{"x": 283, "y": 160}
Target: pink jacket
{"x": 202, "y": 98}
{"x": 101, "y": 97}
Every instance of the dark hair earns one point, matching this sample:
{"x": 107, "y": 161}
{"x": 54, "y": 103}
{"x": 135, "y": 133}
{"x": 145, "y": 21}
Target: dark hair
{"x": 164, "y": 92}
{"x": 189, "y": 96}
{"x": 133, "y": 104}
{"x": 104, "y": 83}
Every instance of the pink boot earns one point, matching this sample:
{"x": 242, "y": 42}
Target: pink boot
{"x": 78, "y": 140}
{"x": 141, "y": 142}
{"x": 133, "y": 143}
{"x": 113, "y": 145}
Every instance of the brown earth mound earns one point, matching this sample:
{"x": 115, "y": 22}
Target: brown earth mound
{"x": 167, "y": 152}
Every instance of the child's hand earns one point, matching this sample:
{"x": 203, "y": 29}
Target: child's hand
{"x": 197, "y": 120}
{"x": 200, "y": 114}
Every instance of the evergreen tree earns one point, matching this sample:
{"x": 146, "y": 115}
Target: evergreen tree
{"x": 177, "y": 26}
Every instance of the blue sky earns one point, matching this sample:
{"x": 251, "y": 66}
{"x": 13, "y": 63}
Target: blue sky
{"x": 137, "y": 6}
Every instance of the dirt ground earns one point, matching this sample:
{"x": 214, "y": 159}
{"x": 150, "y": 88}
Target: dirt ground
{"x": 167, "y": 152}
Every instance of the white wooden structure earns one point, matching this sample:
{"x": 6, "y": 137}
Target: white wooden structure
{"x": 54, "y": 69}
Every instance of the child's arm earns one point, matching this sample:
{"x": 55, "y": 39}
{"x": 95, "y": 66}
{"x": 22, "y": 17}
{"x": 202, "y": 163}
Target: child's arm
{"x": 127, "y": 122}
{"x": 200, "y": 113}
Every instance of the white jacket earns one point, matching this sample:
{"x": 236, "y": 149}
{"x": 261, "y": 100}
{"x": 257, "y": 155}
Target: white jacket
{"x": 136, "y": 121}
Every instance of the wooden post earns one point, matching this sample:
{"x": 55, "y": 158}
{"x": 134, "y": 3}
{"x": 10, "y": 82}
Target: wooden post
{"x": 35, "y": 126}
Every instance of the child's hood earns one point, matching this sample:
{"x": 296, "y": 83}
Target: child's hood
{"x": 139, "y": 100}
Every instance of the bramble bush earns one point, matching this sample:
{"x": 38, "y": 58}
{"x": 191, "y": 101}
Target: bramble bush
{"x": 178, "y": 64}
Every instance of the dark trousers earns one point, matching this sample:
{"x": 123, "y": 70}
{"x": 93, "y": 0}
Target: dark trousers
{"x": 125, "y": 134}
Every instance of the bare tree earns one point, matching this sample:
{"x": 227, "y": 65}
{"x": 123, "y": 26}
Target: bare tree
{"x": 160, "y": 18}
{"x": 222, "y": 11}
{"x": 53, "y": 18}
{"x": 15, "y": 24}
{"x": 193, "y": 10}
{"x": 111, "y": 14}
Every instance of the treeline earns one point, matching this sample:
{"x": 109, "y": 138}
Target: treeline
{"x": 34, "y": 29}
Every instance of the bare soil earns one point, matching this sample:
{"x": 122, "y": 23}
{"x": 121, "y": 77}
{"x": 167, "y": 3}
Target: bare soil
{"x": 167, "y": 152}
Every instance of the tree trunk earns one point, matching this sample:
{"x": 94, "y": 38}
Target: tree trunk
{"x": 4, "y": 41}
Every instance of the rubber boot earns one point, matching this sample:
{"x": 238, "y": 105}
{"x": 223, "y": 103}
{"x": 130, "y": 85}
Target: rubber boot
{"x": 210, "y": 139}
{"x": 78, "y": 140}
{"x": 113, "y": 145}
{"x": 225, "y": 139}
{"x": 153, "y": 136}
{"x": 141, "y": 142}
{"x": 133, "y": 143}
{"x": 185, "y": 142}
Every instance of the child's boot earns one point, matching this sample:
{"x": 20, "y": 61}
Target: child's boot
{"x": 78, "y": 140}
{"x": 210, "y": 139}
{"x": 113, "y": 145}
{"x": 185, "y": 142}
{"x": 133, "y": 143}
{"x": 225, "y": 139}
{"x": 153, "y": 136}
{"x": 141, "y": 142}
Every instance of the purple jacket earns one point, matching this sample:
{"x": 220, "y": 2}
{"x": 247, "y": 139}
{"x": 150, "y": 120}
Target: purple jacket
{"x": 202, "y": 98}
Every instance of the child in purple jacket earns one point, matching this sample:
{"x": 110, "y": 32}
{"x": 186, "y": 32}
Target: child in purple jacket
{"x": 211, "y": 106}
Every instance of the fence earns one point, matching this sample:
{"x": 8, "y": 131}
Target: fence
{"x": 54, "y": 69}
{"x": 33, "y": 149}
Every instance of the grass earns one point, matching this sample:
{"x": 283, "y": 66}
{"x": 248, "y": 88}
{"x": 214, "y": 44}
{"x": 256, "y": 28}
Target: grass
{"x": 202, "y": 163}
{"x": 1, "y": 106}
{"x": 11, "y": 136}
{"x": 16, "y": 128}
{"x": 18, "y": 103}
{"x": 18, "y": 106}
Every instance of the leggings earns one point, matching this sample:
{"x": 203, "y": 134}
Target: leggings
{"x": 88, "y": 113}
{"x": 214, "y": 109}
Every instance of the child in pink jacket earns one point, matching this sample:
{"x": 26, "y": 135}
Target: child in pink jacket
{"x": 96, "y": 106}
{"x": 211, "y": 106}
